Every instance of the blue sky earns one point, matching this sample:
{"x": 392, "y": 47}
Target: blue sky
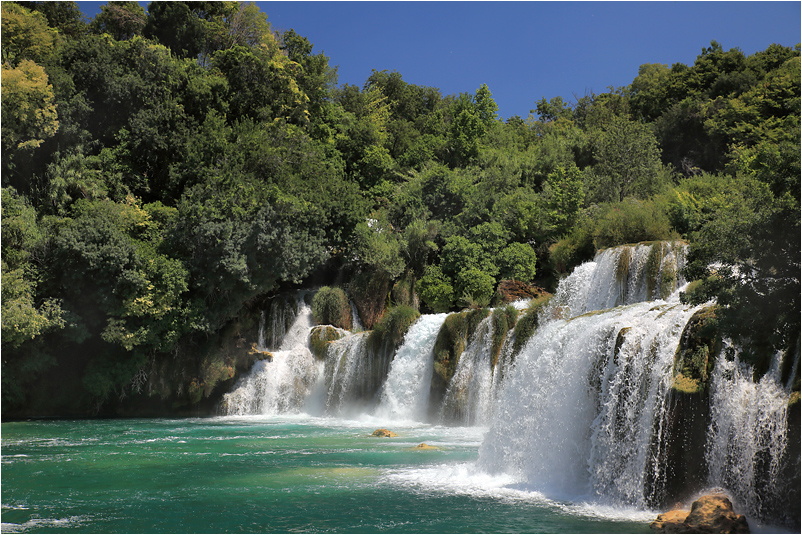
{"x": 525, "y": 51}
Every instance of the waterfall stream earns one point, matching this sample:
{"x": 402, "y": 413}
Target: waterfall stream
{"x": 282, "y": 382}
{"x": 581, "y": 412}
{"x": 405, "y": 395}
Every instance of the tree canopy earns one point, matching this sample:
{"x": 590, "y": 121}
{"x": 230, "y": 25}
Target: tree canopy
{"x": 164, "y": 169}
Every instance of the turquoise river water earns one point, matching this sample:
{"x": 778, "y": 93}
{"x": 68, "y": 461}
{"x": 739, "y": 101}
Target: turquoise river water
{"x": 292, "y": 473}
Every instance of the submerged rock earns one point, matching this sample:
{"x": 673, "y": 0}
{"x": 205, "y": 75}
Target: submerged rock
{"x": 709, "y": 514}
{"x": 383, "y": 433}
{"x": 425, "y": 446}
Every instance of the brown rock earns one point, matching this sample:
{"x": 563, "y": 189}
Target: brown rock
{"x": 425, "y": 446}
{"x": 708, "y": 514}
{"x": 383, "y": 433}
{"x": 512, "y": 290}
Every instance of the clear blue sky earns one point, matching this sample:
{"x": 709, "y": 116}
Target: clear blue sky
{"x": 524, "y": 51}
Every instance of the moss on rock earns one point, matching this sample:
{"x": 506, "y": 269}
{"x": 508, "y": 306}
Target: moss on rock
{"x": 528, "y": 322}
{"x": 699, "y": 344}
{"x": 321, "y": 337}
{"x": 390, "y": 330}
{"x": 503, "y": 320}
{"x": 451, "y": 341}
{"x": 369, "y": 291}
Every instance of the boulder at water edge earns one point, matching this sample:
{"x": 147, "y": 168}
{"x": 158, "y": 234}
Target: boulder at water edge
{"x": 383, "y": 433}
{"x": 708, "y": 514}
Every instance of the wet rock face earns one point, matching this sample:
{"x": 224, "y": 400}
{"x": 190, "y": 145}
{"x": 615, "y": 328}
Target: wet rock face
{"x": 709, "y": 514}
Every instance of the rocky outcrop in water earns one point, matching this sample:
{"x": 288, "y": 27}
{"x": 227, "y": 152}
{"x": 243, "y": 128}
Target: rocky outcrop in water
{"x": 383, "y": 433}
{"x": 709, "y": 514}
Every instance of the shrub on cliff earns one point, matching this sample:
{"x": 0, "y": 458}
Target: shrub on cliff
{"x": 330, "y": 306}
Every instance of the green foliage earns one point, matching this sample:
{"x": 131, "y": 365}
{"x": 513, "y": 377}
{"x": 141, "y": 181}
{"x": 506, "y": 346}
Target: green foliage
{"x": 435, "y": 289}
{"x": 331, "y": 306}
{"x": 517, "y": 261}
{"x": 747, "y": 255}
{"x": 320, "y": 338}
{"x": 121, "y": 20}
{"x": 25, "y": 34}
{"x": 452, "y": 340}
{"x": 573, "y": 249}
{"x": 378, "y": 247}
{"x": 565, "y": 197}
{"x": 503, "y": 320}
{"x": 631, "y": 221}
{"x": 28, "y": 106}
{"x": 695, "y": 356}
{"x": 163, "y": 171}
{"x": 475, "y": 287}
{"x": 627, "y": 162}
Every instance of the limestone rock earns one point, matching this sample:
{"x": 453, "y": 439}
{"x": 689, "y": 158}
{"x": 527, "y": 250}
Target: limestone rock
{"x": 383, "y": 433}
{"x": 425, "y": 446}
{"x": 709, "y": 514}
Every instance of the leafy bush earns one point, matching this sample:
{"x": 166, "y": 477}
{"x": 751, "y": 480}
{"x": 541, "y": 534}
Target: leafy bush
{"x": 476, "y": 287}
{"x": 518, "y": 261}
{"x": 330, "y": 306}
{"x": 632, "y": 221}
{"x": 435, "y": 289}
{"x": 573, "y": 249}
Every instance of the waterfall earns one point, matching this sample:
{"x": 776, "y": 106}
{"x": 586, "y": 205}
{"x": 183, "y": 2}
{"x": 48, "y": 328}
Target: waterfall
{"x": 584, "y": 411}
{"x": 405, "y": 394}
{"x": 621, "y": 276}
{"x": 747, "y": 439}
{"x": 280, "y": 384}
{"x": 348, "y": 364}
{"x": 467, "y": 399}
{"x": 575, "y": 416}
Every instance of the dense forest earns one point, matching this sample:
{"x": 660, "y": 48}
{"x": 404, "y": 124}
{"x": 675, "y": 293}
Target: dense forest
{"x": 164, "y": 171}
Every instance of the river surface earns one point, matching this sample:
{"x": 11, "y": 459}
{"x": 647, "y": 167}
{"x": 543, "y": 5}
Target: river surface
{"x": 258, "y": 474}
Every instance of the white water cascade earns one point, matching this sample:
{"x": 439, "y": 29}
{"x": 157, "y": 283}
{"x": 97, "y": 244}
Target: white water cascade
{"x": 621, "y": 276}
{"x": 405, "y": 395}
{"x": 467, "y": 400}
{"x": 583, "y": 412}
{"x": 576, "y": 415}
{"x": 283, "y": 383}
{"x": 747, "y": 438}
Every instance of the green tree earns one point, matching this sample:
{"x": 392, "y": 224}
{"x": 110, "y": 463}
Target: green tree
{"x": 517, "y": 261}
{"x": 121, "y": 20}
{"x": 435, "y": 289}
{"x": 28, "y": 107}
{"x": 627, "y": 162}
{"x": 25, "y": 34}
{"x": 565, "y": 194}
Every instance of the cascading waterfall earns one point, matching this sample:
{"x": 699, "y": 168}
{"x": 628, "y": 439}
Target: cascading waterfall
{"x": 621, "y": 276}
{"x": 280, "y": 384}
{"x": 583, "y": 410}
{"x": 747, "y": 439}
{"x": 405, "y": 394}
{"x": 576, "y": 415}
{"x": 348, "y": 363}
{"x": 467, "y": 400}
